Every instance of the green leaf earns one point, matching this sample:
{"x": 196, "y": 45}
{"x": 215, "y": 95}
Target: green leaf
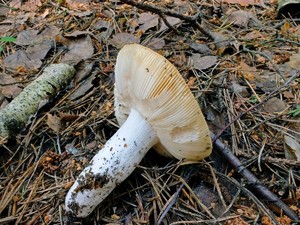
{"x": 1, "y": 49}
{"x": 8, "y": 39}
{"x": 294, "y": 112}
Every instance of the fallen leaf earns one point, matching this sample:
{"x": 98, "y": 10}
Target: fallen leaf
{"x": 241, "y": 18}
{"x": 247, "y": 71}
{"x": 15, "y": 4}
{"x": 288, "y": 95}
{"x": 121, "y": 39}
{"x": 291, "y": 148}
{"x": 79, "y": 49}
{"x": 27, "y": 37}
{"x": 77, "y": 33}
{"x": 34, "y": 37}
{"x": 239, "y": 89}
{"x": 294, "y": 61}
{"x": 147, "y": 21}
{"x": 20, "y": 59}
{"x": 83, "y": 70}
{"x": 11, "y": 91}
{"x": 203, "y": 62}
{"x": 84, "y": 87}
{"x": 173, "y": 21}
{"x": 38, "y": 51}
{"x": 4, "y": 10}
{"x": 78, "y": 4}
{"x": 156, "y": 43}
{"x": 53, "y": 123}
{"x": 105, "y": 27}
{"x": 201, "y": 48}
{"x": 31, "y": 5}
{"x": 275, "y": 105}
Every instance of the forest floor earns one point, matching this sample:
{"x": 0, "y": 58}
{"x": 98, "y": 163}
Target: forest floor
{"x": 241, "y": 61}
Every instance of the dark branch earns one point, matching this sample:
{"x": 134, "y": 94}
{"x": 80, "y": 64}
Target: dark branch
{"x": 255, "y": 183}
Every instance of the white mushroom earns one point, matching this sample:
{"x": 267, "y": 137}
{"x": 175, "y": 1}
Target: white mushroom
{"x": 156, "y": 109}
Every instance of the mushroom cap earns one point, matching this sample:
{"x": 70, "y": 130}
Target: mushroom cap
{"x": 149, "y": 83}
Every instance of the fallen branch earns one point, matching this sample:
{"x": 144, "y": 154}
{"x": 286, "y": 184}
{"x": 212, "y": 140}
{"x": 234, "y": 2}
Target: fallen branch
{"x": 15, "y": 115}
{"x": 253, "y": 181}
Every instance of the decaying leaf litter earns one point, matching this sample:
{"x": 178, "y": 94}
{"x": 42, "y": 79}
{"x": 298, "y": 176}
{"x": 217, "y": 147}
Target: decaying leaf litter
{"x": 245, "y": 53}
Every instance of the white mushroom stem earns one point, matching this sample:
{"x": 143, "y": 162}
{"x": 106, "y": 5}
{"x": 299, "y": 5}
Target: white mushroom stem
{"x": 111, "y": 165}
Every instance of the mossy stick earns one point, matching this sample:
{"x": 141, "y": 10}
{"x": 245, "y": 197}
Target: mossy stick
{"x": 15, "y": 115}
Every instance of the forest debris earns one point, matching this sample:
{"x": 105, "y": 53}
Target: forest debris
{"x": 147, "y": 21}
{"x": 203, "y": 62}
{"x": 291, "y": 148}
{"x": 275, "y": 105}
{"x": 53, "y": 122}
{"x": 121, "y": 39}
{"x": 242, "y": 18}
{"x": 79, "y": 49}
{"x": 171, "y": 20}
{"x": 20, "y": 59}
{"x": 16, "y": 114}
{"x": 156, "y": 43}
{"x": 294, "y": 61}
{"x": 200, "y": 48}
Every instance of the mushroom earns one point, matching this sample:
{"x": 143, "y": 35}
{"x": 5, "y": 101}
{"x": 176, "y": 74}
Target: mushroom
{"x": 155, "y": 108}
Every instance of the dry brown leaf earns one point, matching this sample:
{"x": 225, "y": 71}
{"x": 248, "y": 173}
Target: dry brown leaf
{"x": 27, "y": 37}
{"x": 236, "y": 221}
{"x": 79, "y": 49}
{"x": 288, "y": 95}
{"x": 83, "y": 88}
{"x": 31, "y": 5}
{"x": 173, "y": 21}
{"x": 275, "y": 105}
{"x": 77, "y": 33}
{"x": 294, "y": 61}
{"x": 53, "y": 123}
{"x": 203, "y": 62}
{"x": 21, "y": 59}
{"x": 34, "y": 37}
{"x": 147, "y": 21}
{"x": 291, "y": 148}
{"x": 247, "y": 71}
{"x": 241, "y": 18}
{"x": 121, "y": 39}
{"x": 201, "y": 48}
{"x": 39, "y": 51}
{"x": 78, "y": 4}
{"x": 9, "y": 86}
{"x": 105, "y": 27}
{"x": 156, "y": 43}
{"x": 4, "y": 11}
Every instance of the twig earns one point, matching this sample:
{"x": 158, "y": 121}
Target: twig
{"x": 217, "y": 136}
{"x": 256, "y": 185}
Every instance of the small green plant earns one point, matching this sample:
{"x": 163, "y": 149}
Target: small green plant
{"x": 4, "y": 40}
{"x": 294, "y": 112}
{"x": 253, "y": 99}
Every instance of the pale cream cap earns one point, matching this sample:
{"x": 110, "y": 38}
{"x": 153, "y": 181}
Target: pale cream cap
{"x": 148, "y": 82}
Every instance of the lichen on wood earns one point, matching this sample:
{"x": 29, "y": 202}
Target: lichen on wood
{"x": 15, "y": 115}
